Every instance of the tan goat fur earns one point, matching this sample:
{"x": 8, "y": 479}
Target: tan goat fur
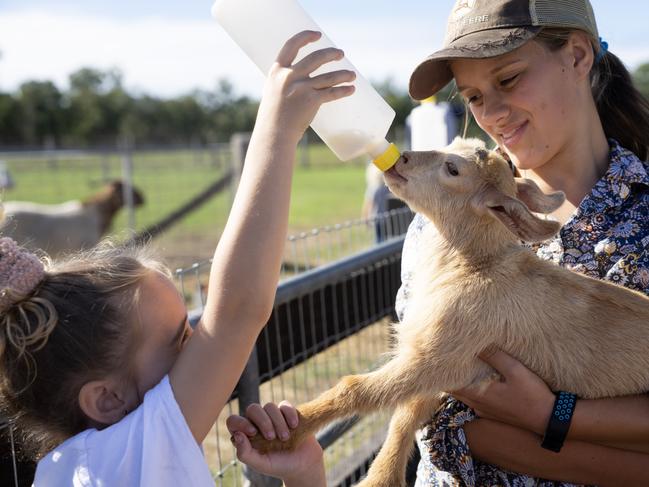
{"x": 476, "y": 288}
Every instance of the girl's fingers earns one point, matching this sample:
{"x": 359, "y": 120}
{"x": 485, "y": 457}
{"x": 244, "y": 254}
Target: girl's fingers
{"x": 247, "y": 454}
{"x": 335, "y": 93}
{"x": 290, "y": 414}
{"x": 236, "y": 423}
{"x": 279, "y": 423}
{"x": 290, "y": 49}
{"x": 334, "y": 78}
{"x": 316, "y": 59}
{"x": 259, "y": 417}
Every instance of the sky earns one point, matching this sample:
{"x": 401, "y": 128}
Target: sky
{"x": 168, "y": 48}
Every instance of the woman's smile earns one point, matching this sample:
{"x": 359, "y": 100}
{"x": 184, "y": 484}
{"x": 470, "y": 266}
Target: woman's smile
{"x": 511, "y": 136}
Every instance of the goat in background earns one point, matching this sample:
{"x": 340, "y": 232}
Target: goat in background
{"x": 66, "y": 227}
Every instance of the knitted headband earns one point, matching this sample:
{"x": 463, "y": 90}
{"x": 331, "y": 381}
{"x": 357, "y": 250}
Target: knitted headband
{"x": 20, "y": 273}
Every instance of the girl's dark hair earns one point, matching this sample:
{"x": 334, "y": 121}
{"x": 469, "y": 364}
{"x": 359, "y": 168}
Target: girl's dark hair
{"x": 74, "y": 328}
{"x": 623, "y": 110}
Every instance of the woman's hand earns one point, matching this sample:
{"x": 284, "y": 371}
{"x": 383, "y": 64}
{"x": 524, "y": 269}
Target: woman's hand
{"x": 301, "y": 467}
{"x": 520, "y": 399}
{"x": 292, "y": 95}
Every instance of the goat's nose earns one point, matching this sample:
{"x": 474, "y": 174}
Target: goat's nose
{"x": 404, "y": 157}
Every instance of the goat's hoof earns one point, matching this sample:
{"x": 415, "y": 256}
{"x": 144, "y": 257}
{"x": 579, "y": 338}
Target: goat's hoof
{"x": 262, "y": 445}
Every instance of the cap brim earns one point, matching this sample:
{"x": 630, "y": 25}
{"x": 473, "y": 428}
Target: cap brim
{"x": 434, "y": 73}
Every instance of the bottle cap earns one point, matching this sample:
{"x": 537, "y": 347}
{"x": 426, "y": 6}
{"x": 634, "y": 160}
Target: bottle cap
{"x": 388, "y": 159}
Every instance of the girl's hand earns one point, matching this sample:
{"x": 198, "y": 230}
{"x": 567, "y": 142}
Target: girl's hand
{"x": 305, "y": 464}
{"x": 521, "y": 399}
{"x": 292, "y": 96}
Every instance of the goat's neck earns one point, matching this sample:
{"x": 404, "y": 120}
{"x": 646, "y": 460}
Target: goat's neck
{"x": 106, "y": 207}
{"x": 473, "y": 247}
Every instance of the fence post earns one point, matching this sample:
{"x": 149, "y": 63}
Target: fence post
{"x": 127, "y": 177}
{"x": 239, "y": 143}
{"x": 248, "y": 391}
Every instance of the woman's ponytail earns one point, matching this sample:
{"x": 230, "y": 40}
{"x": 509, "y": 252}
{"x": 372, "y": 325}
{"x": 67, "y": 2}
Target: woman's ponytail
{"x": 623, "y": 110}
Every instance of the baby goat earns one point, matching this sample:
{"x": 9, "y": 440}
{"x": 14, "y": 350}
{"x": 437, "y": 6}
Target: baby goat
{"x": 66, "y": 227}
{"x": 476, "y": 288}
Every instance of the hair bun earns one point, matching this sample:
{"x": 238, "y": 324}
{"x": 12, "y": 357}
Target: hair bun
{"x": 20, "y": 272}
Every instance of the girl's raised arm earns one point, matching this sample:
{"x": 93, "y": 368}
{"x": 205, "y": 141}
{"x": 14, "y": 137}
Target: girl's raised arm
{"x": 247, "y": 260}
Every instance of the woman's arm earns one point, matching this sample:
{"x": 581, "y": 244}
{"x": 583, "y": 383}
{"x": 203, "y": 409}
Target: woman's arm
{"x": 578, "y": 462}
{"x": 621, "y": 422}
{"x": 522, "y": 399}
{"x": 245, "y": 270}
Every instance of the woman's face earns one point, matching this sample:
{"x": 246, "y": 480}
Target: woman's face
{"x": 528, "y": 100}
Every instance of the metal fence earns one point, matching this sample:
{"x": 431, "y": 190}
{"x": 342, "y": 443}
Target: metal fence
{"x": 328, "y": 321}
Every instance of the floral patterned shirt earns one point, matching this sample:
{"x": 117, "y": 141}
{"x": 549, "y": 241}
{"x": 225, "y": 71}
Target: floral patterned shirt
{"x": 607, "y": 238}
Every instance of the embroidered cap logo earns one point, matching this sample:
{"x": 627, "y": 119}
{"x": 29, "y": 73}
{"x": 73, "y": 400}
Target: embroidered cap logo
{"x": 462, "y": 8}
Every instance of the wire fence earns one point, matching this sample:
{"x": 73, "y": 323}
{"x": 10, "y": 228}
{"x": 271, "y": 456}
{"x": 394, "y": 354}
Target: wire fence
{"x": 328, "y": 321}
{"x": 310, "y": 250}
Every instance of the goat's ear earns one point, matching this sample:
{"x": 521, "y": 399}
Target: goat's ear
{"x": 535, "y": 199}
{"x": 514, "y": 215}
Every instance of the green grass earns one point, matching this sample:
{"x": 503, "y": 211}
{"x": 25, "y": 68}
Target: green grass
{"x": 326, "y": 195}
{"x": 325, "y": 192}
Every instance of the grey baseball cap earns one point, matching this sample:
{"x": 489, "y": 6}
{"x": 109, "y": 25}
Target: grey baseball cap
{"x": 489, "y": 28}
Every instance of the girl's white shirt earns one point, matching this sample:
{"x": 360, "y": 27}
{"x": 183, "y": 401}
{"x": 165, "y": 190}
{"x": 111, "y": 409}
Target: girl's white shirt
{"x": 151, "y": 446}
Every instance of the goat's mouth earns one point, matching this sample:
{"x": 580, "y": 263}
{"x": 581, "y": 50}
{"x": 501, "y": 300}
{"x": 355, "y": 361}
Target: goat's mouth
{"x": 394, "y": 174}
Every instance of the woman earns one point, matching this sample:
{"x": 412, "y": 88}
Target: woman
{"x": 542, "y": 85}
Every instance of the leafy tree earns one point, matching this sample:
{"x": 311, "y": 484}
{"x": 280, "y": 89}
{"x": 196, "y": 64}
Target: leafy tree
{"x": 10, "y": 120}
{"x": 398, "y": 99}
{"x": 41, "y": 112}
{"x": 97, "y": 105}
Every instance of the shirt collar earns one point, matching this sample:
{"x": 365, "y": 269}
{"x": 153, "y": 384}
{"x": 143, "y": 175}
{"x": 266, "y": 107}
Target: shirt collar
{"x": 625, "y": 167}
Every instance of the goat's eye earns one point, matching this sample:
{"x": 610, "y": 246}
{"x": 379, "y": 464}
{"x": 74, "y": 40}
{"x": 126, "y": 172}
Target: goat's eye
{"x": 452, "y": 169}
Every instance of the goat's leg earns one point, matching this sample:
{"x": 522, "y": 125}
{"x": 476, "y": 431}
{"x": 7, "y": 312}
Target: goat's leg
{"x": 389, "y": 467}
{"x": 391, "y": 384}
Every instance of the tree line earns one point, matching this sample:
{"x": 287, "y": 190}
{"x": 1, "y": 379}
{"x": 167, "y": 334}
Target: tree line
{"x": 97, "y": 110}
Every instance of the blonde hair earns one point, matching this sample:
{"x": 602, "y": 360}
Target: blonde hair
{"x": 74, "y": 327}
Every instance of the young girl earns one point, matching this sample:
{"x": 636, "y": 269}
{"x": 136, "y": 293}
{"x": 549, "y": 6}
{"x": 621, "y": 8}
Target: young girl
{"x": 542, "y": 85}
{"x": 99, "y": 368}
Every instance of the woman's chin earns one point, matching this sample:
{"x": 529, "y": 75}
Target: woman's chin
{"x": 524, "y": 160}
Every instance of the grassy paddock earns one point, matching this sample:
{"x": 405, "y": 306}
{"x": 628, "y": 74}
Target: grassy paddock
{"x": 325, "y": 191}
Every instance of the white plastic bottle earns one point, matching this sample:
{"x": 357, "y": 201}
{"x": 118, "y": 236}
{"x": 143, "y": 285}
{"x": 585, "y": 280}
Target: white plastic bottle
{"x": 428, "y": 127}
{"x": 351, "y": 126}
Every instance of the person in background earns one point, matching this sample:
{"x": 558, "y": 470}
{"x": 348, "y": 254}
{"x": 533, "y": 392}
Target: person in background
{"x": 432, "y": 125}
